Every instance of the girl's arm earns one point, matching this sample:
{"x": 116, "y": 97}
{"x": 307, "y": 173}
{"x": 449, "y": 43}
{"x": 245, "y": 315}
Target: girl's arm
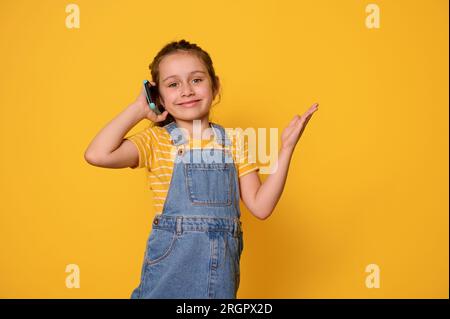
{"x": 109, "y": 148}
{"x": 261, "y": 199}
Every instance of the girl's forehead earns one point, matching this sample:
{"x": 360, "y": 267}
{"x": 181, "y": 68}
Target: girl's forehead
{"x": 180, "y": 63}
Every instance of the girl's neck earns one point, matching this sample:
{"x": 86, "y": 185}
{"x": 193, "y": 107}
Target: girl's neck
{"x": 190, "y": 127}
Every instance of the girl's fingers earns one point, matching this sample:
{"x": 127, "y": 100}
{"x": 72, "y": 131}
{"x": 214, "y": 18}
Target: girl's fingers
{"x": 295, "y": 129}
{"x": 293, "y": 121}
{"x": 296, "y": 118}
{"x": 292, "y": 125}
{"x": 301, "y": 126}
{"x": 151, "y": 116}
{"x": 162, "y": 116}
{"x": 309, "y": 113}
{"x": 312, "y": 109}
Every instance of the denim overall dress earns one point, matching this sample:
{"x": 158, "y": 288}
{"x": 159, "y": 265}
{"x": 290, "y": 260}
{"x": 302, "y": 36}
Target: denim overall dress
{"x": 195, "y": 245}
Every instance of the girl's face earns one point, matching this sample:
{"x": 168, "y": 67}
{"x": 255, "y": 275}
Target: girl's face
{"x": 184, "y": 78}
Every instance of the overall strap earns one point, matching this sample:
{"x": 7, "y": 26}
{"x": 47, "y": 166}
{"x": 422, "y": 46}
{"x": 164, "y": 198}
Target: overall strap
{"x": 221, "y": 136}
{"x": 176, "y": 135}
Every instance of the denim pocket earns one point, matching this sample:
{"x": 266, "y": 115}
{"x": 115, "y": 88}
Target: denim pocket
{"x": 209, "y": 184}
{"x": 160, "y": 244}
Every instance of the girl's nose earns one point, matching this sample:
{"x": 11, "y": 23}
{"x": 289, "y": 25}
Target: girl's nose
{"x": 186, "y": 90}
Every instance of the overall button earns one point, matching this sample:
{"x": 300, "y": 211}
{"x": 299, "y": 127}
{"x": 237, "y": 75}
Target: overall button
{"x": 156, "y": 221}
{"x": 180, "y": 151}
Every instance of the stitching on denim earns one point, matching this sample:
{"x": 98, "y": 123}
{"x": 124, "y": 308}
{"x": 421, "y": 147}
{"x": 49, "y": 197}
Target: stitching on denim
{"x": 188, "y": 168}
{"x": 166, "y": 254}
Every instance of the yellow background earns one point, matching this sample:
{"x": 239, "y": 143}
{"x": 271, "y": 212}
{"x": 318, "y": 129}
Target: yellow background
{"x": 368, "y": 182}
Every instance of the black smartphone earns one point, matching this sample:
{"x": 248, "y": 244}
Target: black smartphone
{"x": 152, "y": 97}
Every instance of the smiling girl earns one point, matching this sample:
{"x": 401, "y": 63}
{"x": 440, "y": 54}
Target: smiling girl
{"x": 196, "y": 241}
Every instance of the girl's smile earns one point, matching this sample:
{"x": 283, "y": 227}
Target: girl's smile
{"x": 190, "y": 103}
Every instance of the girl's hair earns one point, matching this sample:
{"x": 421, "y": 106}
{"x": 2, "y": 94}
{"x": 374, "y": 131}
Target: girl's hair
{"x": 179, "y": 46}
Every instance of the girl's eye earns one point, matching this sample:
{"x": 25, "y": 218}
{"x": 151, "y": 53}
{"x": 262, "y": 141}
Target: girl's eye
{"x": 170, "y": 85}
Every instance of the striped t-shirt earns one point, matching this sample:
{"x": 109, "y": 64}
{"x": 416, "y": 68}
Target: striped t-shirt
{"x": 157, "y": 155}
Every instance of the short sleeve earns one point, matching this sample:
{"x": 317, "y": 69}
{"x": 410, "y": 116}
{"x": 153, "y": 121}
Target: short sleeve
{"x": 245, "y": 156}
{"x": 142, "y": 141}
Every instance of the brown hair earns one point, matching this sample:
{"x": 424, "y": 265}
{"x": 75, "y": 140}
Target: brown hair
{"x": 177, "y": 46}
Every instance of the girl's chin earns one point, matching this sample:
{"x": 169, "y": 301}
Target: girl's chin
{"x": 182, "y": 111}
{"x": 190, "y": 116}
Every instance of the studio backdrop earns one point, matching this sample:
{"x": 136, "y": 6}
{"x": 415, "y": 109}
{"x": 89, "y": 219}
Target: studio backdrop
{"x": 364, "y": 213}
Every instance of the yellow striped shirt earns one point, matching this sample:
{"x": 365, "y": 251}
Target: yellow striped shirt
{"x": 157, "y": 155}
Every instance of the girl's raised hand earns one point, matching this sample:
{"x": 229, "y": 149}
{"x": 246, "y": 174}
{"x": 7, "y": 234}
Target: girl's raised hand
{"x": 291, "y": 134}
{"x": 145, "y": 111}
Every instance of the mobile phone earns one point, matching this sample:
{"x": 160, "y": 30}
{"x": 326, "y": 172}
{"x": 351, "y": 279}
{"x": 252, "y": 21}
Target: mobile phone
{"x": 152, "y": 96}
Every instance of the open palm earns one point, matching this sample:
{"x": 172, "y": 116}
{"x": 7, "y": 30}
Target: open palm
{"x": 291, "y": 134}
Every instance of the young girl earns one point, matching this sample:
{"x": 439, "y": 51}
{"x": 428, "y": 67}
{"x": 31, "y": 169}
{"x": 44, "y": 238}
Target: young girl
{"x": 196, "y": 241}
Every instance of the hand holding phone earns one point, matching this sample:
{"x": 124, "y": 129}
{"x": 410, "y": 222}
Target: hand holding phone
{"x": 152, "y": 96}
{"x": 148, "y": 96}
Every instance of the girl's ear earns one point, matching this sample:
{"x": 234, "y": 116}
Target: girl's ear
{"x": 218, "y": 86}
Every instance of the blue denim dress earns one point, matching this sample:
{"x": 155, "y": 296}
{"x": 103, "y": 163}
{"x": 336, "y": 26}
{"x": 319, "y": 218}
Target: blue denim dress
{"x": 195, "y": 245}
